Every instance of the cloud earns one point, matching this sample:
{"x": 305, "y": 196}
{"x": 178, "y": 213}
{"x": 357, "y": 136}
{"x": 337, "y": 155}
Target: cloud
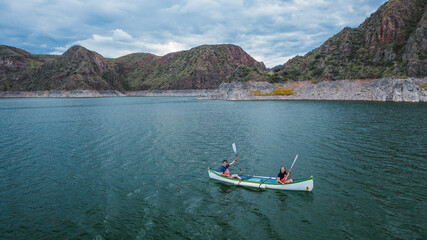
{"x": 120, "y": 35}
{"x": 270, "y": 30}
{"x": 119, "y": 43}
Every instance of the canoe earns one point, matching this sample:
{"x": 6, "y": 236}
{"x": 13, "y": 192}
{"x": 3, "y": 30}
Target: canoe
{"x": 305, "y": 184}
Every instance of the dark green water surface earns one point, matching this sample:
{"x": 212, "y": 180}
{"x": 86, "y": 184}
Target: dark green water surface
{"x": 136, "y": 168}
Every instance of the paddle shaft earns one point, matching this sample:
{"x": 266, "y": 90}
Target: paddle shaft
{"x": 290, "y": 169}
{"x": 235, "y": 151}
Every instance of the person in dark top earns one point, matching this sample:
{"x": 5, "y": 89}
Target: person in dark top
{"x": 224, "y": 169}
{"x": 282, "y": 176}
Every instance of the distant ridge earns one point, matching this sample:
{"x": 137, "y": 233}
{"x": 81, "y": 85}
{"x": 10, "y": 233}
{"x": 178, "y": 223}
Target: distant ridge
{"x": 203, "y": 67}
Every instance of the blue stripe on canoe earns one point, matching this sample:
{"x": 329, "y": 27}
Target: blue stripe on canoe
{"x": 257, "y": 179}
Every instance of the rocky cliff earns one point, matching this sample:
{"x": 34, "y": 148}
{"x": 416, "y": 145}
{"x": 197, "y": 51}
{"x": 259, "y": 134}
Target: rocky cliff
{"x": 391, "y": 42}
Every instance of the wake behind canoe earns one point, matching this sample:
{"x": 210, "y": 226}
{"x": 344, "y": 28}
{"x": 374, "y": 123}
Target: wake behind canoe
{"x": 264, "y": 182}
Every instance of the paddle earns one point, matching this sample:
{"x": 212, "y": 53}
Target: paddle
{"x": 234, "y": 148}
{"x": 290, "y": 169}
{"x": 235, "y": 151}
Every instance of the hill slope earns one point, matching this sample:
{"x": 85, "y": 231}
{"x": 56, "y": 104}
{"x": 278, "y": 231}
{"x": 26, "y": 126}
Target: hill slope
{"x": 16, "y": 65}
{"x": 77, "y": 68}
{"x": 203, "y": 67}
{"x": 391, "y": 42}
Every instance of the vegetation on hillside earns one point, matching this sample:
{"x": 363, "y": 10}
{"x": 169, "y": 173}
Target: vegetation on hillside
{"x": 390, "y": 43}
{"x": 275, "y": 92}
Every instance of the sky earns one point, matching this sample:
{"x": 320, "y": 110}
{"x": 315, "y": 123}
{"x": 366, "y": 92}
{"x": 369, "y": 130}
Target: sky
{"x": 271, "y": 31}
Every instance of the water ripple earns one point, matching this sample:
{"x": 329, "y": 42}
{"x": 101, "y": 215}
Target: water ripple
{"x": 135, "y": 168}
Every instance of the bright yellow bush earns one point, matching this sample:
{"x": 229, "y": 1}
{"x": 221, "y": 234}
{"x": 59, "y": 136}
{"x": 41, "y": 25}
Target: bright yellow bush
{"x": 283, "y": 91}
{"x": 279, "y": 91}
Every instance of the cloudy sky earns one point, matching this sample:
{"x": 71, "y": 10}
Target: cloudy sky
{"x": 271, "y": 31}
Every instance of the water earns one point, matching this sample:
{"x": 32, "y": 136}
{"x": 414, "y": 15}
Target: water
{"x": 136, "y": 168}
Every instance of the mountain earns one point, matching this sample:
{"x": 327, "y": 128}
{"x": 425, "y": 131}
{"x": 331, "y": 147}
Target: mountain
{"x": 390, "y": 43}
{"x": 77, "y": 68}
{"x": 203, "y": 67}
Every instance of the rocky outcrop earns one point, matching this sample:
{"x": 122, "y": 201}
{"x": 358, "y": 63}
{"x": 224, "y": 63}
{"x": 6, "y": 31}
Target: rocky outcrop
{"x": 239, "y": 90}
{"x": 399, "y": 90}
{"x": 416, "y": 49}
{"x": 389, "y": 24}
{"x": 395, "y": 90}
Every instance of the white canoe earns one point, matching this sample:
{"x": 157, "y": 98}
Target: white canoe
{"x": 264, "y": 182}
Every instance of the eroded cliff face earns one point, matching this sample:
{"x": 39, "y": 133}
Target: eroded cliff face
{"x": 391, "y": 42}
{"x": 390, "y": 23}
{"x": 416, "y": 49}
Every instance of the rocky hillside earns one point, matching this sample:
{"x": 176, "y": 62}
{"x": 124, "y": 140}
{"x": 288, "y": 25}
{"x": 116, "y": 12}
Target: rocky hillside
{"x": 391, "y": 42}
{"x": 16, "y": 65}
{"x": 203, "y": 67}
{"x": 77, "y": 68}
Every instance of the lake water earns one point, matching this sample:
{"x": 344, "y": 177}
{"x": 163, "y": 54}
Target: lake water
{"x": 136, "y": 168}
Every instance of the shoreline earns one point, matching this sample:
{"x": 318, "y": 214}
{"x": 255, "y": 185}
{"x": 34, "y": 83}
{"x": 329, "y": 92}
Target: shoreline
{"x": 376, "y": 90}
{"x": 103, "y": 93}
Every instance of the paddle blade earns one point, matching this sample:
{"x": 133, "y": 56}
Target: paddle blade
{"x": 234, "y": 148}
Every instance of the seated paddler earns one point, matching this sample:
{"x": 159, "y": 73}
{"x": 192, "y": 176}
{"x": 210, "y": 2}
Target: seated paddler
{"x": 281, "y": 177}
{"x": 224, "y": 169}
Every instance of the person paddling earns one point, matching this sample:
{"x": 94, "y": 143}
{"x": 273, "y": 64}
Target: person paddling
{"x": 281, "y": 177}
{"x": 224, "y": 169}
